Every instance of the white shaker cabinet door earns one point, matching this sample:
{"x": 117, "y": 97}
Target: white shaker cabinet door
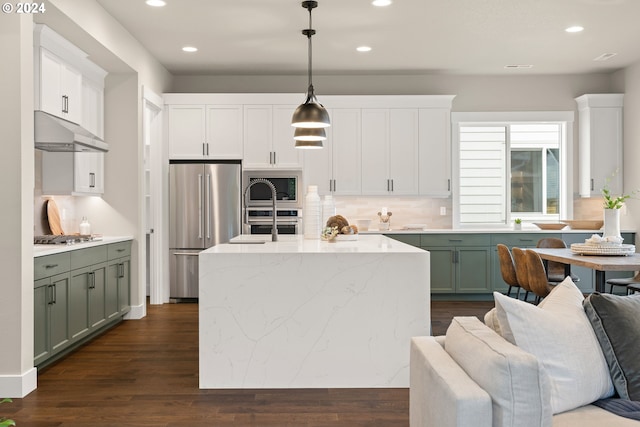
{"x": 60, "y": 87}
{"x": 375, "y": 155}
{"x": 286, "y": 154}
{"x": 403, "y": 151}
{"x": 345, "y": 144}
{"x": 258, "y": 134}
{"x": 224, "y": 131}
{"x": 435, "y": 152}
{"x": 89, "y": 173}
{"x": 186, "y": 130}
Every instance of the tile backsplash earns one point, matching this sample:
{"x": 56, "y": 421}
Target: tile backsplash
{"x": 405, "y": 210}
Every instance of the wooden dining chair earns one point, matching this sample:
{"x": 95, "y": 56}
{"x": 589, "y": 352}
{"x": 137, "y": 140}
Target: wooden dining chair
{"x": 555, "y": 270}
{"x": 520, "y": 261}
{"x": 508, "y": 269}
{"x": 537, "y": 276}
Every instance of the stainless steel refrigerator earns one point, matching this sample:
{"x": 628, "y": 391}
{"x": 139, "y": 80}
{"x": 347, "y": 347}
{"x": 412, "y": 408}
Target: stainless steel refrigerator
{"x": 204, "y": 210}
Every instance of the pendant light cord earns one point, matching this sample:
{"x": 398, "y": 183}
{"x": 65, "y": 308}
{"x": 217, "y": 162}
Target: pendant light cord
{"x": 309, "y": 32}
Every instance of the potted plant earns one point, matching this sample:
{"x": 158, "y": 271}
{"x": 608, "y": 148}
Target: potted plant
{"x": 4, "y": 422}
{"x": 612, "y": 206}
{"x": 517, "y": 224}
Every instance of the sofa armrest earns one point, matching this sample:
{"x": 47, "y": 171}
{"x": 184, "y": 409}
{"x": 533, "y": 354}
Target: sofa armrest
{"x": 441, "y": 393}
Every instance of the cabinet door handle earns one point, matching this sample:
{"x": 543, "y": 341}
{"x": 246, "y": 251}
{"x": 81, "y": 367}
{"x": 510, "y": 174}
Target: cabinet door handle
{"x": 275, "y": 160}
{"x": 207, "y": 197}
{"x": 334, "y": 185}
{"x": 62, "y": 108}
{"x": 591, "y": 184}
{"x": 92, "y": 180}
{"x": 121, "y": 270}
{"x": 392, "y": 185}
{"x": 448, "y": 185}
{"x": 207, "y": 149}
{"x": 54, "y": 294}
{"x": 48, "y": 266}
{"x": 92, "y": 280}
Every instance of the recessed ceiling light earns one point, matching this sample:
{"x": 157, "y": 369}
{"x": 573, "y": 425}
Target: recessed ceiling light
{"x": 574, "y": 29}
{"x": 381, "y": 3}
{"x": 190, "y": 49}
{"x": 156, "y": 3}
{"x": 363, "y": 49}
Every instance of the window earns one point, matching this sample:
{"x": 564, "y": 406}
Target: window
{"x": 509, "y": 169}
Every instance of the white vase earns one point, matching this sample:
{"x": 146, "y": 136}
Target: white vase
{"x": 611, "y": 223}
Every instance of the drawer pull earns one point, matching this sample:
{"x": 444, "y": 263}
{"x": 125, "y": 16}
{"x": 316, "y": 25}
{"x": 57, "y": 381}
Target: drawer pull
{"x": 455, "y": 240}
{"x": 119, "y": 250}
{"x": 48, "y": 266}
{"x": 526, "y": 240}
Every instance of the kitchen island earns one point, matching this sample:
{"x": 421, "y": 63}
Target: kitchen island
{"x": 308, "y": 313}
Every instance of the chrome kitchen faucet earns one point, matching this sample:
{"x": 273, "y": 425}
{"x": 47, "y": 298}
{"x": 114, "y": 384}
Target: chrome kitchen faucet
{"x": 274, "y": 230}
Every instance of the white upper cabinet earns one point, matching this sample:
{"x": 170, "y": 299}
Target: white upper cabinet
{"x": 77, "y": 174}
{"x": 390, "y": 151}
{"x": 268, "y": 137}
{"x": 600, "y": 147}
{"x": 60, "y": 87}
{"x": 186, "y": 131}
{"x": 224, "y": 131}
{"x": 205, "y": 131}
{"x": 336, "y": 168}
{"x": 435, "y": 152}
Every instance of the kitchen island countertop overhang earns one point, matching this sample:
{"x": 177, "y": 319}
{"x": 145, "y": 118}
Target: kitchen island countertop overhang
{"x": 302, "y": 313}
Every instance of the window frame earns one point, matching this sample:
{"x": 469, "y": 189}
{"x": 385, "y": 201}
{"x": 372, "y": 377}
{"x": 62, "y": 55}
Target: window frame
{"x": 564, "y": 118}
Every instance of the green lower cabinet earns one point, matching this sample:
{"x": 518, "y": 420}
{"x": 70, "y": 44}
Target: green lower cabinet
{"x": 473, "y": 270}
{"x": 118, "y": 300}
{"x": 51, "y": 322}
{"x": 124, "y": 287}
{"x": 443, "y": 270}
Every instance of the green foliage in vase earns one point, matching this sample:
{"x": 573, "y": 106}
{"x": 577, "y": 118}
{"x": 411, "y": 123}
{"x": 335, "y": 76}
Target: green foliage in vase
{"x": 611, "y": 202}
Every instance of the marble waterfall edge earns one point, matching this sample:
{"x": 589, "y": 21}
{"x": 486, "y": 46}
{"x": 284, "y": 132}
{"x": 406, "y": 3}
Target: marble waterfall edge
{"x": 305, "y": 320}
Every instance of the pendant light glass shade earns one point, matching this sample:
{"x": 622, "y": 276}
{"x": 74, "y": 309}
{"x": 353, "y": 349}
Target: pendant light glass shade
{"x": 311, "y": 114}
{"x": 310, "y": 134}
{"x": 309, "y": 145}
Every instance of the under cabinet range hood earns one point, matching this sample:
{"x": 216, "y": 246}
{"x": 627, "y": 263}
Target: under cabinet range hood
{"x": 55, "y": 134}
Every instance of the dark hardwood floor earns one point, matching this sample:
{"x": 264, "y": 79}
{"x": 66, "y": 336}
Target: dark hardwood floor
{"x": 145, "y": 373}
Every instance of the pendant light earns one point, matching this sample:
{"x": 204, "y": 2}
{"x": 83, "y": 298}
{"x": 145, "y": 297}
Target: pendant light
{"x": 309, "y": 137}
{"x": 311, "y": 114}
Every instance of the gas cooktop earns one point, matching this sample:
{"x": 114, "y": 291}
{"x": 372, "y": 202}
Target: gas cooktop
{"x": 61, "y": 239}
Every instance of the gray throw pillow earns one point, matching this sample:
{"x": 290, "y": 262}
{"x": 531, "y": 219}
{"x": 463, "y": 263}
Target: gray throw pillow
{"x": 616, "y": 322}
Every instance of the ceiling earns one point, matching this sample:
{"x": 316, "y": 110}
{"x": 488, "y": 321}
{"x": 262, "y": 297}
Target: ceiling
{"x": 410, "y": 36}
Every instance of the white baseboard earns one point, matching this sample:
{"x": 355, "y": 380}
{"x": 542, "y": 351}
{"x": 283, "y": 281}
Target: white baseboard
{"x": 137, "y": 312}
{"x": 18, "y": 386}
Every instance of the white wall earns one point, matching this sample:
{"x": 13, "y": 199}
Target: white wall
{"x": 627, "y": 81}
{"x": 17, "y": 376}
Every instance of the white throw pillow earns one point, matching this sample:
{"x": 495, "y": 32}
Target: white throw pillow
{"x": 515, "y": 379}
{"x": 559, "y": 334}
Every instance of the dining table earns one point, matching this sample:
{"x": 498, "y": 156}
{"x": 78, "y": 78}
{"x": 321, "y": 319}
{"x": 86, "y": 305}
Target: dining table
{"x": 599, "y": 263}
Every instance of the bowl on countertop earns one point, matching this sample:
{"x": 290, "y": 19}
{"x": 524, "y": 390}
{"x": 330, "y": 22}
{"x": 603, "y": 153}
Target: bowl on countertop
{"x": 550, "y": 225}
{"x": 584, "y": 224}
{"x": 363, "y": 224}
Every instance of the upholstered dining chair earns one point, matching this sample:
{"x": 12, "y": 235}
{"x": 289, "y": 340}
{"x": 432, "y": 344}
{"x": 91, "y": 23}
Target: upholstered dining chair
{"x": 538, "y": 281}
{"x": 508, "y": 269}
{"x": 555, "y": 270}
{"x": 626, "y": 282}
{"x": 520, "y": 261}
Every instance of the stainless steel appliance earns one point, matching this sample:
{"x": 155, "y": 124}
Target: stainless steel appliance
{"x": 260, "y": 221}
{"x": 204, "y": 210}
{"x": 288, "y": 184}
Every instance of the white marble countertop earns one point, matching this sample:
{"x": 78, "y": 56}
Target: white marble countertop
{"x": 371, "y": 243}
{"x": 42, "y": 250}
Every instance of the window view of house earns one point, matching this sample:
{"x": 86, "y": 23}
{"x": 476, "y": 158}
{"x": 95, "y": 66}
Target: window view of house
{"x": 509, "y": 170}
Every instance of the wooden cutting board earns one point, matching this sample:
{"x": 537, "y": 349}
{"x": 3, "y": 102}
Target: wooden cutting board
{"x": 53, "y": 216}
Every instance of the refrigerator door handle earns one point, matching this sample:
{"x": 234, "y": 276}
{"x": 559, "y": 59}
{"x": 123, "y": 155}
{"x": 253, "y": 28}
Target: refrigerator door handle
{"x": 199, "y": 206}
{"x": 207, "y": 196}
{"x": 186, "y": 253}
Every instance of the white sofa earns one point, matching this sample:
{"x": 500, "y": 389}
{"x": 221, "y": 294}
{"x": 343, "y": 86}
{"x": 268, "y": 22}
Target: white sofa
{"x": 532, "y": 366}
{"x": 443, "y": 393}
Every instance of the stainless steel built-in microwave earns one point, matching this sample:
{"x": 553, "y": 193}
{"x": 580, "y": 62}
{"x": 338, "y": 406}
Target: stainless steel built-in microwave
{"x": 288, "y": 184}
